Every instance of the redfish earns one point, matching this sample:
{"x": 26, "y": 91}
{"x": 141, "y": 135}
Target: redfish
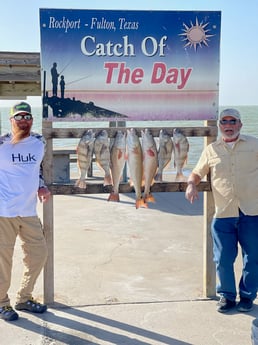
{"x": 150, "y": 163}
{"x": 117, "y": 163}
{"x": 134, "y": 153}
{"x": 165, "y": 151}
{"x": 84, "y": 156}
{"x": 181, "y": 148}
{"x": 102, "y": 155}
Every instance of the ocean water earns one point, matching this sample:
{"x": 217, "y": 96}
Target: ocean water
{"x": 249, "y": 118}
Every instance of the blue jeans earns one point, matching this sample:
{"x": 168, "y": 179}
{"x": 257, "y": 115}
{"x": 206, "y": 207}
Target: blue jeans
{"x": 227, "y": 233}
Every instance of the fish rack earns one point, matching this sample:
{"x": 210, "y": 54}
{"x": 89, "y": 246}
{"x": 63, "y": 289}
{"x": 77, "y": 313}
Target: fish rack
{"x": 94, "y": 188}
{"x": 209, "y": 131}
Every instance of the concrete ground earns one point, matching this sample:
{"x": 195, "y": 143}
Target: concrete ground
{"x": 127, "y": 277}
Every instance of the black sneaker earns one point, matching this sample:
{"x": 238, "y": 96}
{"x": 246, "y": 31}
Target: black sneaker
{"x": 8, "y": 314}
{"x": 32, "y": 305}
{"x": 245, "y": 304}
{"x": 224, "y": 305}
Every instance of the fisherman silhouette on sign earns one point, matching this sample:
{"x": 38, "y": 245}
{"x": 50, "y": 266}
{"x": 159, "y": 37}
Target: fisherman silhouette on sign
{"x": 55, "y": 76}
{"x": 62, "y": 86}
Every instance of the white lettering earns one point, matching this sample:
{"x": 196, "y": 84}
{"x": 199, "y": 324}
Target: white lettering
{"x": 90, "y": 47}
{"x": 150, "y": 46}
{"x": 64, "y": 24}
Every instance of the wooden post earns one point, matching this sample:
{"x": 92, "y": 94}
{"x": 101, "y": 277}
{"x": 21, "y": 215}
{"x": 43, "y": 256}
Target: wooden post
{"x": 209, "y": 272}
{"x": 48, "y": 222}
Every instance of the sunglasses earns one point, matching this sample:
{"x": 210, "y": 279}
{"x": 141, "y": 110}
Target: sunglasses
{"x": 228, "y": 122}
{"x": 19, "y": 117}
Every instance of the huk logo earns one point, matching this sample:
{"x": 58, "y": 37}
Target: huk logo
{"x": 19, "y": 158}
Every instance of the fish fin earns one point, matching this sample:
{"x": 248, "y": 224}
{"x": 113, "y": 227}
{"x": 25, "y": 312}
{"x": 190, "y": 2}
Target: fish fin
{"x": 136, "y": 151}
{"x": 103, "y": 149}
{"x": 178, "y": 147}
{"x": 150, "y": 152}
{"x": 114, "y": 197}
{"x": 81, "y": 184}
{"x": 140, "y": 203}
{"x": 153, "y": 181}
{"x": 149, "y": 198}
{"x": 158, "y": 177}
{"x": 120, "y": 154}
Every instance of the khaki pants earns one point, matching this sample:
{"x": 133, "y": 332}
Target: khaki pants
{"x": 34, "y": 247}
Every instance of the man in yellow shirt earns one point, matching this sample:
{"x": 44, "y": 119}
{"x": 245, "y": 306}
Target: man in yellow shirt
{"x": 232, "y": 162}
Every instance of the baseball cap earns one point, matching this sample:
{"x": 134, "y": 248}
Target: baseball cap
{"x": 21, "y": 107}
{"x": 230, "y": 112}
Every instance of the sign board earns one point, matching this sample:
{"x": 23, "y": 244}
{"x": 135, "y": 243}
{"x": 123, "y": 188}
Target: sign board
{"x": 108, "y": 65}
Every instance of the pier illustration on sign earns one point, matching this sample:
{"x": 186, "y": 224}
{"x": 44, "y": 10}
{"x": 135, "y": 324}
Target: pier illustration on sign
{"x": 65, "y": 107}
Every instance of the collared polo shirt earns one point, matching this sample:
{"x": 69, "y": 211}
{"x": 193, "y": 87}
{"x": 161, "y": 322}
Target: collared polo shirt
{"x": 234, "y": 175}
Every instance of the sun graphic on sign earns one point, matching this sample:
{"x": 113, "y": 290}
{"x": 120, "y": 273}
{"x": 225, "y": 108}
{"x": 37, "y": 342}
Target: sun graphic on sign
{"x": 196, "y": 35}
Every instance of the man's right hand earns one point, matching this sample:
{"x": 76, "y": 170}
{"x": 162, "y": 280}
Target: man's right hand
{"x": 191, "y": 192}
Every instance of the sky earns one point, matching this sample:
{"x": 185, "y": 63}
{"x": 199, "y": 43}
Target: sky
{"x": 20, "y": 32}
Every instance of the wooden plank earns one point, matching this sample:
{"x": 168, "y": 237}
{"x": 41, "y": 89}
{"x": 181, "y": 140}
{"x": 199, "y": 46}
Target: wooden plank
{"x": 19, "y": 74}
{"x": 19, "y": 58}
{"x": 61, "y": 133}
{"x": 22, "y": 90}
{"x": 95, "y": 188}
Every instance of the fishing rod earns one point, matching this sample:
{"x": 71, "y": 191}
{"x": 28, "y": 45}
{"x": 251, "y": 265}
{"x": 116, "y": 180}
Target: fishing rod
{"x": 65, "y": 66}
{"x": 75, "y": 81}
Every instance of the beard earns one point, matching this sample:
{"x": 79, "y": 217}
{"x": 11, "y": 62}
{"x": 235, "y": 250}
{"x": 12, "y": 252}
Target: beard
{"x": 231, "y": 136}
{"x": 20, "y": 132}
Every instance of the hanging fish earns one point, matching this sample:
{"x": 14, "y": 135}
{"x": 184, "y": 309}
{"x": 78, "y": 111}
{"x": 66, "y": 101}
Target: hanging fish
{"x": 84, "y": 156}
{"x": 134, "y": 153}
{"x": 165, "y": 151}
{"x": 150, "y": 163}
{"x": 117, "y": 163}
{"x": 181, "y": 148}
{"x": 102, "y": 155}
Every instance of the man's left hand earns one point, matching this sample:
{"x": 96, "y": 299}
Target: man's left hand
{"x": 43, "y": 194}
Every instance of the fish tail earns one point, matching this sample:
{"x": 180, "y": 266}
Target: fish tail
{"x": 81, "y": 184}
{"x": 140, "y": 203}
{"x": 149, "y": 198}
{"x": 114, "y": 197}
{"x": 158, "y": 177}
